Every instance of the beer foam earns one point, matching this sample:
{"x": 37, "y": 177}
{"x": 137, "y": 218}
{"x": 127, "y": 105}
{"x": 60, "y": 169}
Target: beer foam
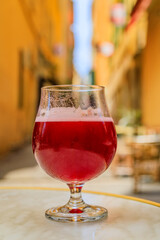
{"x": 71, "y": 114}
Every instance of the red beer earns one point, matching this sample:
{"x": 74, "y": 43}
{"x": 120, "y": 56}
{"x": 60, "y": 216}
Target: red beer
{"x": 74, "y": 151}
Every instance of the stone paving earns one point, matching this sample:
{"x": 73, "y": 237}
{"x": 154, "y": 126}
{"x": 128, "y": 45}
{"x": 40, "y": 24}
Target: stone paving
{"x": 19, "y": 168}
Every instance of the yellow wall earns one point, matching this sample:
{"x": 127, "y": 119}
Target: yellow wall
{"x": 29, "y": 27}
{"x": 102, "y": 33}
{"x": 15, "y": 35}
{"x": 48, "y": 21}
{"x": 58, "y": 12}
{"x": 151, "y": 71}
{"x": 105, "y": 31}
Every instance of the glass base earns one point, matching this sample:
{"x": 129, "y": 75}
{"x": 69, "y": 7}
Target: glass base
{"x": 86, "y": 214}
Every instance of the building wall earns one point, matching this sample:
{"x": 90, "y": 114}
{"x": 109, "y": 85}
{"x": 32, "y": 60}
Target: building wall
{"x": 18, "y": 88}
{"x": 58, "y": 10}
{"x": 151, "y": 70}
{"x": 132, "y": 55}
{"x": 102, "y": 32}
{"x": 28, "y": 27}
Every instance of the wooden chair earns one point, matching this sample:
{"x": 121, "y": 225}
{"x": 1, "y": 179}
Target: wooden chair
{"x": 146, "y": 161}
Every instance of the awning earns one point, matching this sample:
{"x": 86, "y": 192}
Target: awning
{"x": 139, "y": 8}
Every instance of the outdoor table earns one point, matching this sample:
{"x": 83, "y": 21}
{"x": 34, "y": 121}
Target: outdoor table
{"x": 22, "y": 216}
{"x": 147, "y": 139}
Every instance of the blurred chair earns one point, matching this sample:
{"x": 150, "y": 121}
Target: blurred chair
{"x": 123, "y": 161}
{"x": 146, "y": 155}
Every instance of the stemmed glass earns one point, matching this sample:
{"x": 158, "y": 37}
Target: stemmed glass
{"x": 74, "y": 140}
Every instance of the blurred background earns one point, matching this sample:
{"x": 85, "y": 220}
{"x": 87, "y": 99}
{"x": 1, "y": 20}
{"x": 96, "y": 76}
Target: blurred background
{"x": 114, "y": 43}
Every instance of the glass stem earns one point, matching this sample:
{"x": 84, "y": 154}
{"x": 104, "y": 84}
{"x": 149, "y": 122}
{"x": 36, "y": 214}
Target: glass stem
{"x": 75, "y": 201}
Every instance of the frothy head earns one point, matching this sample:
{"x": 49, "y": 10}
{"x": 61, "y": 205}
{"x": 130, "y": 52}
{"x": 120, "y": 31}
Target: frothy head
{"x": 71, "y": 114}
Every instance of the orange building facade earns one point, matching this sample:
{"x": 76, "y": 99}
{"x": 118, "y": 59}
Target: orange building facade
{"x": 33, "y": 47}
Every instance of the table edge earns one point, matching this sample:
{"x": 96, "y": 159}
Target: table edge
{"x": 156, "y": 204}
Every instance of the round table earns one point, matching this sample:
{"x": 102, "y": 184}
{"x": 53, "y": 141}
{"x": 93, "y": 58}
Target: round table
{"x": 22, "y": 216}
